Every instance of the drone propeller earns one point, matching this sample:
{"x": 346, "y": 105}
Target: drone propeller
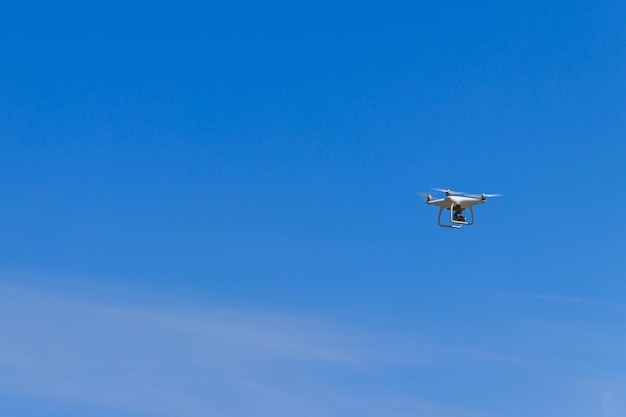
{"x": 484, "y": 195}
{"x": 425, "y": 196}
{"x": 448, "y": 191}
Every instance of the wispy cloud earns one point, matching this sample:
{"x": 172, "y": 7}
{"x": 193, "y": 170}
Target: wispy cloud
{"x": 181, "y": 361}
{"x": 194, "y": 362}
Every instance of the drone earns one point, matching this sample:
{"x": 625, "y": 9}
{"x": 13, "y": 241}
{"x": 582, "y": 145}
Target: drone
{"x": 456, "y": 202}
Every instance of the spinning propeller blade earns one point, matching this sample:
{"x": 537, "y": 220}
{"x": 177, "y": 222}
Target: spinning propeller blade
{"x": 483, "y": 195}
{"x": 425, "y": 196}
{"x": 448, "y": 191}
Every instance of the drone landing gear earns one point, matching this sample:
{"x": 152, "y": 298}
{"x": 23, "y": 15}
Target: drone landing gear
{"x": 457, "y": 219}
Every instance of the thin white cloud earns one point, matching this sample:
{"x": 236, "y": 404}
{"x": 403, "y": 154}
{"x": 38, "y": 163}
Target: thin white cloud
{"x": 149, "y": 360}
{"x": 188, "y": 363}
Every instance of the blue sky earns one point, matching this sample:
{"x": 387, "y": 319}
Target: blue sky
{"x": 211, "y": 209}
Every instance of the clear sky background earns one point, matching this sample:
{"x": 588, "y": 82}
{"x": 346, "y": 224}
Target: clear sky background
{"x": 211, "y": 210}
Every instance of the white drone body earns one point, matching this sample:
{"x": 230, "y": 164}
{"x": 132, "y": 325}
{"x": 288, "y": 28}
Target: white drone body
{"x": 456, "y": 202}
